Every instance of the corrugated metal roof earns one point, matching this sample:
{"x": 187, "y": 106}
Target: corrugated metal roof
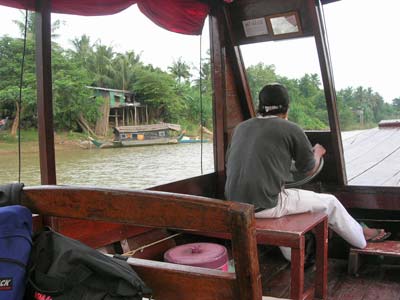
{"x": 109, "y": 90}
{"x": 152, "y": 127}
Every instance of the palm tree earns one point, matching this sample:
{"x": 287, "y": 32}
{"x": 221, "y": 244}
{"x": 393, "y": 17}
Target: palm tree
{"x": 124, "y": 68}
{"x": 82, "y": 48}
{"x": 100, "y": 64}
{"x": 180, "y": 69}
{"x": 31, "y": 25}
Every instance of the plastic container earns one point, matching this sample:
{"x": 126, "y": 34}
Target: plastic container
{"x": 205, "y": 255}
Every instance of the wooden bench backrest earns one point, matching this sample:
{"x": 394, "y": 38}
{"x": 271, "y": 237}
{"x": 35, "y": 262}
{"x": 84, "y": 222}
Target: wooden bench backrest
{"x": 166, "y": 210}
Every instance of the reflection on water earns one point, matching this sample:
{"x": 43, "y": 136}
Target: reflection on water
{"x": 133, "y": 167}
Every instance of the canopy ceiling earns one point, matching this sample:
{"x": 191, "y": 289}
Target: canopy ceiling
{"x": 182, "y": 16}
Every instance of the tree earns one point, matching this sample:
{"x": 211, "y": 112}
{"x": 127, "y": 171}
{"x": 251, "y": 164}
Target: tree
{"x": 180, "y": 70}
{"x": 99, "y": 65}
{"x": 10, "y": 67}
{"x": 124, "y": 68}
{"x": 82, "y": 49}
{"x": 70, "y": 96}
{"x": 192, "y": 96}
{"x": 258, "y": 76}
{"x": 31, "y": 25}
{"x": 156, "y": 88}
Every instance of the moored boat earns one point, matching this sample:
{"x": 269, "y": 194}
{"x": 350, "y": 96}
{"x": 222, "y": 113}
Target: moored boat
{"x": 142, "y": 135}
{"x": 189, "y": 140}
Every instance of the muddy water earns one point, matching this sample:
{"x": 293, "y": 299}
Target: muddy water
{"x": 132, "y": 167}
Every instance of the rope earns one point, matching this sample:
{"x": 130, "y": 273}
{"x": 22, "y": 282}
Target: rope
{"x": 201, "y": 112}
{"x": 21, "y": 79}
{"x": 133, "y": 252}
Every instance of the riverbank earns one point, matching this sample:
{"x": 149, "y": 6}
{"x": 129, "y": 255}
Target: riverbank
{"x": 29, "y": 142}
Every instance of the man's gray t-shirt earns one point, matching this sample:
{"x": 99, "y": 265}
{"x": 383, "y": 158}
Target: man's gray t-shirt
{"x": 259, "y": 159}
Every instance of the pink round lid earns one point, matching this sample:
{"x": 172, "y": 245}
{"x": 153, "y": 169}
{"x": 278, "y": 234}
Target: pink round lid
{"x": 206, "y": 255}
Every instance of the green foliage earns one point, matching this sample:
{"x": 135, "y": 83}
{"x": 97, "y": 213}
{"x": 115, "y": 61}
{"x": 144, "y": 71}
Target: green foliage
{"x": 157, "y": 89}
{"x": 124, "y": 68}
{"x": 258, "y": 76}
{"x": 10, "y": 68}
{"x": 180, "y": 70}
{"x": 307, "y": 107}
{"x": 71, "y": 98}
{"x": 358, "y": 107}
{"x": 173, "y": 96}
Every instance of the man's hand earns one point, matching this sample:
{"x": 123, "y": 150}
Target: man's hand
{"x": 319, "y": 151}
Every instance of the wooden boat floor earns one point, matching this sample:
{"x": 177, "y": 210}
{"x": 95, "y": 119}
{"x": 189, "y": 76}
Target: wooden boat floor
{"x": 375, "y": 281}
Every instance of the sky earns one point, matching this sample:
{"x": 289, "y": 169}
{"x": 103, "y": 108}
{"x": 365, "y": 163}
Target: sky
{"x": 363, "y": 38}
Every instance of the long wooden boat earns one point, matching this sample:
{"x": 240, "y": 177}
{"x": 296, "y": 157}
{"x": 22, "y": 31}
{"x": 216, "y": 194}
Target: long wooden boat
{"x": 116, "y": 220}
{"x": 141, "y": 135}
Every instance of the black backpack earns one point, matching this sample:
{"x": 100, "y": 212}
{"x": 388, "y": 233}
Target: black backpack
{"x": 63, "y": 269}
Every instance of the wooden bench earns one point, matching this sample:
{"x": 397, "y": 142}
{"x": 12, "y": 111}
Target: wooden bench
{"x": 386, "y": 248}
{"x": 289, "y": 231}
{"x": 166, "y": 210}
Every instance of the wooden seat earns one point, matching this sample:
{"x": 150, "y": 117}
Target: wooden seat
{"x": 386, "y": 248}
{"x": 166, "y": 210}
{"x": 289, "y": 231}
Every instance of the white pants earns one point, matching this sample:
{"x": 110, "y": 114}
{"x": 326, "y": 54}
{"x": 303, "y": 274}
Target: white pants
{"x": 294, "y": 201}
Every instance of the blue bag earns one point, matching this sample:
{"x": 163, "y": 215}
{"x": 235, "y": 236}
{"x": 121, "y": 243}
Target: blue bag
{"x": 15, "y": 248}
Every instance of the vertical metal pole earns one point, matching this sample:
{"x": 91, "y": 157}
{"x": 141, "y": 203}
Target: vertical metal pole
{"x": 44, "y": 92}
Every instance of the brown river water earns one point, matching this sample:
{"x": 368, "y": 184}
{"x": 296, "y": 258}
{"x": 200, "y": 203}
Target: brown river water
{"x": 130, "y": 167}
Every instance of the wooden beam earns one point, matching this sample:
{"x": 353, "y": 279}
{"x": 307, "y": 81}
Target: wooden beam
{"x": 44, "y": 92}
{"x": 179, "y": 282}
{"x": 130, "y": 207}
{"x": 244, "y": 246}
{"x": 219, "y": 96}
{"x": 329, "y": 86}
{"x": 239, "y": 71}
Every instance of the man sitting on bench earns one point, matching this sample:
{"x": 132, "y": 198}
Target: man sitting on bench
{"x": 258, "y": 163}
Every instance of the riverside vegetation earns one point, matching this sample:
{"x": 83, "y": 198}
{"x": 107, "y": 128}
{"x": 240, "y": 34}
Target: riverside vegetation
{"x": 172, "y": 95}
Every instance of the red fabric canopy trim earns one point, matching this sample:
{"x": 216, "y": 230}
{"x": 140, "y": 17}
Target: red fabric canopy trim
{"x": 182, "y": 16}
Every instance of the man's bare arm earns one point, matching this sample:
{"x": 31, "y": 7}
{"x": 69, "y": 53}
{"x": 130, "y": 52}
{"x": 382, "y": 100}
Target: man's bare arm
{"x": 319, "y": 151}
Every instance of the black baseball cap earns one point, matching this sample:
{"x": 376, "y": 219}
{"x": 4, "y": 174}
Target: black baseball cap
{"x": 273, "y": 97}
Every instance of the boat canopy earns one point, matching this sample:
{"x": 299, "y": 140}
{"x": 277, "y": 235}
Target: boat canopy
{"x": 181, "y": 16}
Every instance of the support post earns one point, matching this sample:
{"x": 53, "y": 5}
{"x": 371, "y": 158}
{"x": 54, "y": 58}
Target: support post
{"x": 219, "y": 96}
{"x": 44, "y": 92}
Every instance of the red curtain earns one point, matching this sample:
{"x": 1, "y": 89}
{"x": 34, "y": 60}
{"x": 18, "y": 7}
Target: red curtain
{"x": 182, "y": 16}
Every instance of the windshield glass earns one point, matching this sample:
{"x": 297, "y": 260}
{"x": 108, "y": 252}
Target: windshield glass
{"x": 293, "y": 63}
{"x": 364, "y": 51}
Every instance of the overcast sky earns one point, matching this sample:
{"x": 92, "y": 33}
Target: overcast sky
{"x": 363, "y": 36}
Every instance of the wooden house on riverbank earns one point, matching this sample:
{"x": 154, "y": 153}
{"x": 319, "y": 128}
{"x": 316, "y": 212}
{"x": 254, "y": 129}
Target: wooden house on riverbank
{"x": 120, "y": 108}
